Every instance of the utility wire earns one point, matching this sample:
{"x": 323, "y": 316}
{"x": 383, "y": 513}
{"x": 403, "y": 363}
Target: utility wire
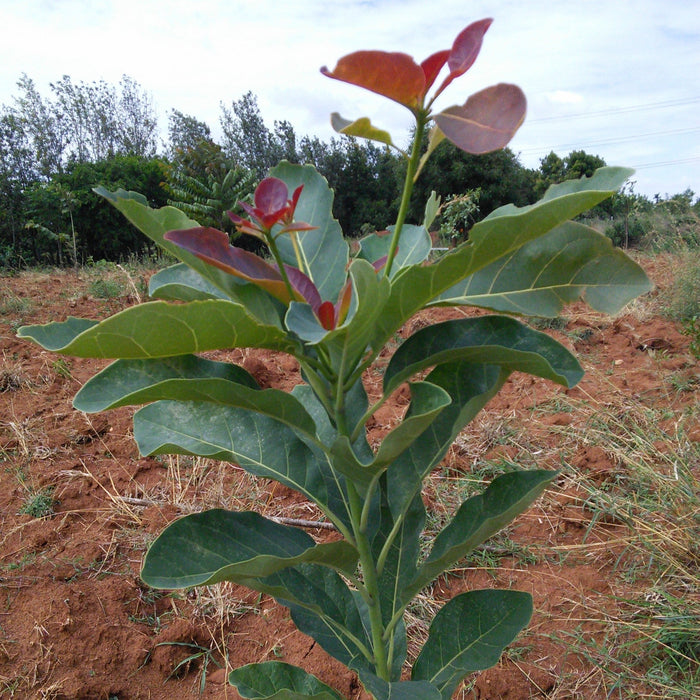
{"x": 666, "y": 162}
{"x": 621, "y": 139}
{"x": 621, "y": 110}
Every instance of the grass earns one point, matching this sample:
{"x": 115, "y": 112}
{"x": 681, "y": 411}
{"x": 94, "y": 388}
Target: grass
{"x": 13, "y": 305}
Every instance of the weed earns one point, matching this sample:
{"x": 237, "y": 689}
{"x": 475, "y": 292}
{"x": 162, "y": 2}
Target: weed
{"x": 549, "y": 324}
{"x": 39, "y": 504}
{"x": 682, "y": 300}
{"x": 105, "y": 288}
{"x": 61, "y": 367}
{"x": 691, "y": 328}
{"x": 198, "y": 652}
{"x": 11, "y": 304}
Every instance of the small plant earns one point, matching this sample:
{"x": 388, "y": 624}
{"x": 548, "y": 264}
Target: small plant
{"x": 39, "y": 504}
{"x": 105, "y": 288}
{"x": 336, "y": 315}
{"x": 691, "y": 328}
{"x": 198, "y": 653}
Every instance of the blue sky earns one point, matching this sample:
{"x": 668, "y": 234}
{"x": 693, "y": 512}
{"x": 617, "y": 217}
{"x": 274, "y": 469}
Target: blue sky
{"x": 617, "y": 78}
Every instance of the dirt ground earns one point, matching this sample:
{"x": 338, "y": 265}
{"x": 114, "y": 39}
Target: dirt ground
{"x": 78, "y": 506}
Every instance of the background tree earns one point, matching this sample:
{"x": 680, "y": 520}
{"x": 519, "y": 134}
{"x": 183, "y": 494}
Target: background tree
{"x": 249, "y": 142}
{"x": 499, "y": 175}
{"x": 17, "y": 171}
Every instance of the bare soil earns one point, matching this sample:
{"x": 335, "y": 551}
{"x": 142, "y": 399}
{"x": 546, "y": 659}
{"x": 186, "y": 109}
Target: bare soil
{"x": 78, "y": 506}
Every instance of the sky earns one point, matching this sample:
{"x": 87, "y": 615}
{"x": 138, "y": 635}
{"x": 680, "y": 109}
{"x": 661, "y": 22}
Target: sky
{"x": 616, "y": 78}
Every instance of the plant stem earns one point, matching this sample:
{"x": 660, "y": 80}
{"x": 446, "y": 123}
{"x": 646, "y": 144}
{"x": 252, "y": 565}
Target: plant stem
{"x": 414, "y": 160}
{"x": 280, "y": 265}
{"x": 369, "y": 574}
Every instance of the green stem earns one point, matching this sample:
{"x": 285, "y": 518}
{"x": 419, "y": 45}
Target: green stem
{"x": 414, "y": 160}
{"x": 369, "y": 574}
{"x": 280, "y": 264}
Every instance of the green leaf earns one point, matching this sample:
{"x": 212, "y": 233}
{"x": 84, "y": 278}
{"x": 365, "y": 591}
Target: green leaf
{"x": 399, "y": 690}
{"x": 303, "y": 322}
{"x": 182, "y": 283}
{"x": 427, "y": 401}
{"x": 275, "y": 680}
{"x": 189, "y": 378}
{"x": 129, "y": 382}
{"x": 55, "y": 336}
{"x": 324, "y": 250}
{"x": 495, "y": 340}
{"x": 469, "y": 634}
{"x": 324, "y": 608}
{"x": 503, "y": 231}
{"x": 414, "y": 246}
{"x": 348, "y": 343}
{"x": 477, "y": 519}
{"x": 569, "y": 262}
{"x": 398, "y": 563}
{"x": 435, "y": 139}
{"x": 432, "y": 208}
{"x": 362, "y": 128}
{"x": 159, "y": 329}
{"x": 470, "y": 387}
{"x": 261, "y": 445}
{"x": 220, "y": 545}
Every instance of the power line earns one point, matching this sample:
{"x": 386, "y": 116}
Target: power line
{"x": 666, "y": 162}
{"x": 621, "y": 110}
{"x": 621, "y": 139}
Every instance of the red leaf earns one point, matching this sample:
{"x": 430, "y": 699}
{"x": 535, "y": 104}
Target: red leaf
{"x": 394, "y": 75}
{"x": 487, "y": 121}
{"x": 464, "y": 50}
{"x": 326, "y": 315}
{"x": 432, "y": 67}
{"x": 271, "y": 196}
{"x": 212, "y": 247}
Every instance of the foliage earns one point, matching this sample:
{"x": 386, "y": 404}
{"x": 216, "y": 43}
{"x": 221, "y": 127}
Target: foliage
{"x": 457, "y": 215}
{"x": 554, "y": 169}
{"x": 208, "y": 199}
{"x": 336, "y": 314}
{"x": 99, "y": 230}
{"x": 682, "y": 299}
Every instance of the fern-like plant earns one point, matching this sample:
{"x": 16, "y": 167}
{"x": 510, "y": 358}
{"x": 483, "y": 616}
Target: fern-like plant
{"x": 208, "y": 200}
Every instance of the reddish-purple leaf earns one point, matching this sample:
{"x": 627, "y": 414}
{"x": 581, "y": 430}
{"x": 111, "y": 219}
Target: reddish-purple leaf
{"x": 432, "y": 67}
{"x": 326, "y": 315}
{"x": 394, "y": 75}
{"x": 464, "y": 50}
{"x": 487, "y": 121}
{"x": 304, "y": 286}
{"x": 212, "y": 247}
{"x": 271, "y": 196}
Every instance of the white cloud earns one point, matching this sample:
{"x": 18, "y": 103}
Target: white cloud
{"x": 570, "y": 57}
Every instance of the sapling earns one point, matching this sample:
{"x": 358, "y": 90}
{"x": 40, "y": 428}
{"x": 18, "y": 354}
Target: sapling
{"x": 335, "y": 313}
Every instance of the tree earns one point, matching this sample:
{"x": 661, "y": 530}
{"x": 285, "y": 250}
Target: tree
{"x": 249, "y": 142}
{"x": 576, "y": 165}
{"x": 100, "y": 232}
{"x": 43, "y": 127}
{"x": 185, "y": 133}
{"x": 499, "y": 175}
{"x": 17, "y": 171}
